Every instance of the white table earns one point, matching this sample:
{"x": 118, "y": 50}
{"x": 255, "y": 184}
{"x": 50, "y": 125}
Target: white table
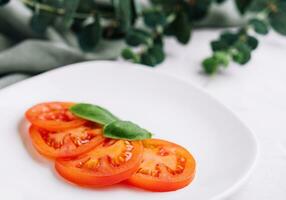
{"x": 255, "y": 92}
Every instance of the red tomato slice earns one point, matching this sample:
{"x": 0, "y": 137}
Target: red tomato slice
{"x": 53, "y": 116}
{"x": 165, "y": 167}
{"x": 108, "y": 163}
{"x": 67, "y": 143}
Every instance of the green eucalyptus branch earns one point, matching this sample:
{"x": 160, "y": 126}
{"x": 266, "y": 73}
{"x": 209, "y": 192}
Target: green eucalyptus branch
{"x": 54, "y": 10}
{"x": 144, "y": 27}
{"x": 237, "y": 46}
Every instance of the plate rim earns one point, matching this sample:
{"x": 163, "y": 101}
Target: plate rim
{"x": 233, "y": 187}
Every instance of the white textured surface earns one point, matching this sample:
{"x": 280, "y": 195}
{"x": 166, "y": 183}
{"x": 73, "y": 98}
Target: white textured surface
{"x": 256, "y": 93}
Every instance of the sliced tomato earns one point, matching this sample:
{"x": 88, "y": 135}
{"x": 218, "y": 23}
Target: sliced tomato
{"x": 67, "y": 143}
{"x": 53, "y": 116}
{"x": 165, "y": 167}
{"x": 111, "y": 162}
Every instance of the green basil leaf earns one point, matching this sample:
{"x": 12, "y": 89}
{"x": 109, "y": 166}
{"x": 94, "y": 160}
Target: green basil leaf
{"x": 125, "y": 130}
{"x": 93, "y": 113}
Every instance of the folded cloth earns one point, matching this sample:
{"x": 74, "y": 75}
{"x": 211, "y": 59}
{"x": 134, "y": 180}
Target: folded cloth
{"x": 12, "y": 78}
{"x": 23, "y": 53}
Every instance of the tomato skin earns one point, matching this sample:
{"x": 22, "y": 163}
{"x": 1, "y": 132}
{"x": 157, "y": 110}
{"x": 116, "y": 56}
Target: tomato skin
{"x": 109, "y": 175}
{"x": 84, "y": 179}
{"x": 158, "y": 186}
{"x": 43, "y": 148}
{"x": 53, "y": 116}
{"x": 168, "y": 182}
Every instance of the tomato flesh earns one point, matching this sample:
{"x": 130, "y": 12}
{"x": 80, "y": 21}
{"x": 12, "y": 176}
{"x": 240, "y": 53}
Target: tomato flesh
{"x": 53, "y": 116}
{"x": 165, "y": 167}
{"x": 108, "y": 163}
{"x": 67, "y": 143}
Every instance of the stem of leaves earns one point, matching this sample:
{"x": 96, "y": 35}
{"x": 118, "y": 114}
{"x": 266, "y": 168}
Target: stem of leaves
{"x": 158, "y": 22}
{"x": 238, "y": 46}
{"x": 235, "y": 46}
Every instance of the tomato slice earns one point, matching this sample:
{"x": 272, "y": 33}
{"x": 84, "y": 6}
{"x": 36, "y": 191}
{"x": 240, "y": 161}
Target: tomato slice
{"x": 108, "y": 163}
{"x": 53, "y": 116}
{"x": 67, "y": 143}
{"x": 165, "y": 167}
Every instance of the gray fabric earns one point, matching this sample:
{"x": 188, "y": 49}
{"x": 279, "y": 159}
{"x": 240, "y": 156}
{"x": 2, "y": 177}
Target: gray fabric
{"x": 13, "y": 78}
{"x": 23, "y": 51}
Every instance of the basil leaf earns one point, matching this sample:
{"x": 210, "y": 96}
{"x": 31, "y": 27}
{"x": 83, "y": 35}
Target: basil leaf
{"x": 125, "y": 130}
{"x": 93, "y": 113}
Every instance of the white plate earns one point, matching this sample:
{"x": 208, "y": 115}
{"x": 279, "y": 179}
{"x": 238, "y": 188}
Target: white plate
{"x": 224, "y": 148}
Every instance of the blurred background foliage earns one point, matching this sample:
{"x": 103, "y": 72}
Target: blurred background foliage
{"x": 144, "y": 24}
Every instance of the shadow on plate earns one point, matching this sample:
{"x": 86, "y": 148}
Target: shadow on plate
{"x": 23, "y": 129}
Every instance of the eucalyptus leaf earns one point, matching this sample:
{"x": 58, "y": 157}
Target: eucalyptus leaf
{"x": 136, "y": 37}
{"x": 93, "y": 113}
{"x": 197, "y": 9}
{"x": 40, "y": 21}
{"x": 243, "y": 53}
{"x": 210, "y": 65}
{"x": 158, "y": 53}
{"x": 3, "y": 2}
{"x": 159, "y": 41}
{"x": 243, "y": 5}
{"x": 221, "y": 58}
{"x": 86, "y": 6}
{"x": 154, "y": 18}
{"x": 128, "y": 54}
{"x": 258, "y": 5}
{"x": 220, "y": 1}
{"x": 90, "y": 35}
{"x": 70, "y": 8}
{"x": 259, "y": 26}
{"x": 148, "y": 59}
{"x": 219, "y": 45}
{"x": 123, "y": 12}
{"x": 252, "y": 42}
{"x": 125, "y": 130}
{"x": 182, "y": 28}
{"x": 278, "y": 18}
{"x": 136, "y": 10}
{"x": 229, "y": 38}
